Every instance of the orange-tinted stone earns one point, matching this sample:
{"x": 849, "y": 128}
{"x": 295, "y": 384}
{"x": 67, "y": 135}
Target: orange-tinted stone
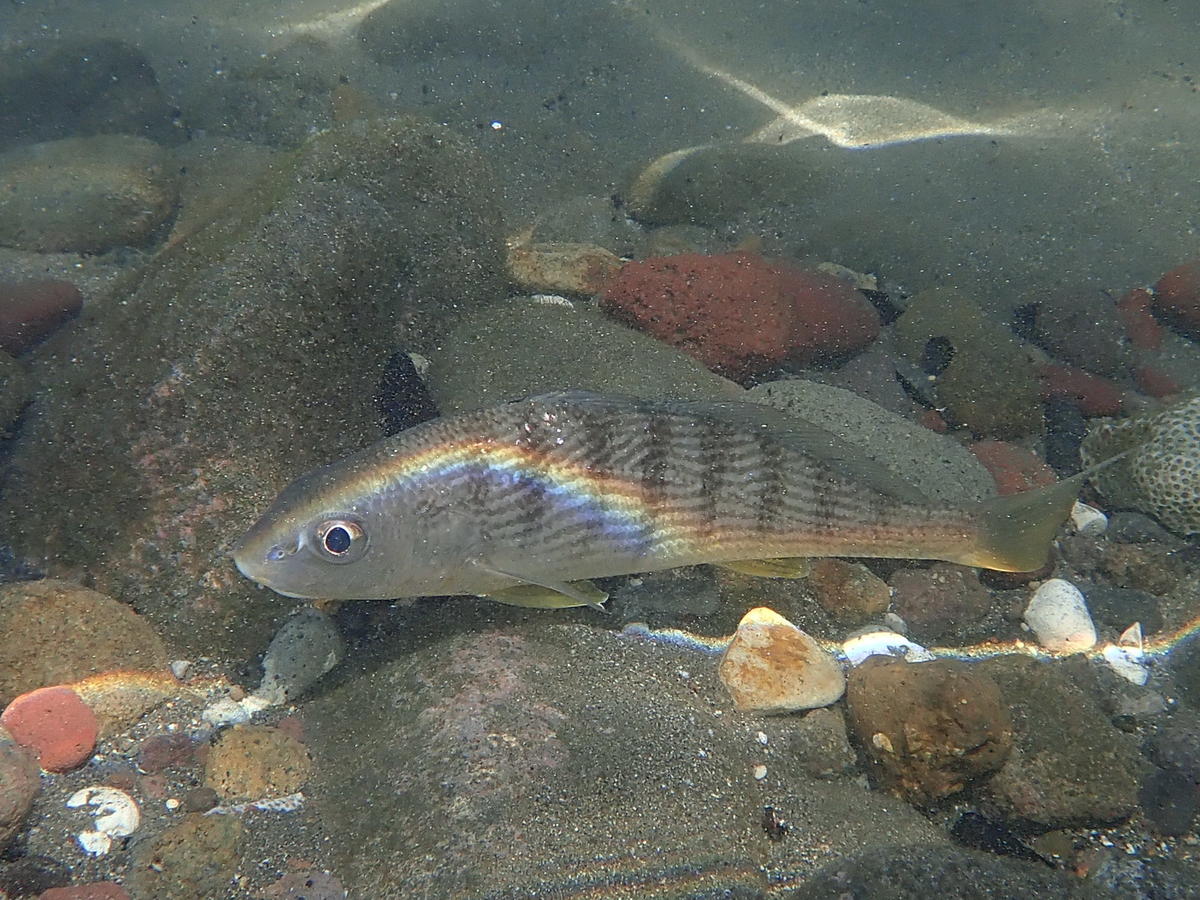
{"x": 1013, "y": 468}
{"x": 1093, "y": 394}
{"x": 56, "y": 724}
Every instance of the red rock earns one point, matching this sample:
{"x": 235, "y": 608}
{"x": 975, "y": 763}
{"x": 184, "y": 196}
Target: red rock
{"x": 1155, "y": 383}
{"x": 934, "y": 421}
{"x": 1143, "y": 330}
{"x": 31, "y": 310}
{"x": 97, "y": 890}
{"x": 1013, "y": 468}
{"x": 1093, "y": 394}
{"x": 56, "y": 724}
{"x": 165, "y": 751}
{"x": 1177, "y": 296}
{"x": 739, "y": 314}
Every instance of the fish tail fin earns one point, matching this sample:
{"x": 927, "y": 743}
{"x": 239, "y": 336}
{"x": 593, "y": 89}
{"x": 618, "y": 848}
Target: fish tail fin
{"x": 1016, "y": 530}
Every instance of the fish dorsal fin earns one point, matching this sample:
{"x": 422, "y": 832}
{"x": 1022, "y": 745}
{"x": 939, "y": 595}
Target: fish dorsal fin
{"x": 843, "y": 457}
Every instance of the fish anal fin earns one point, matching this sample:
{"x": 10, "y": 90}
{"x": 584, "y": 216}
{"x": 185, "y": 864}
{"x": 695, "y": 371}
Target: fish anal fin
{"x": 780, "y": 567}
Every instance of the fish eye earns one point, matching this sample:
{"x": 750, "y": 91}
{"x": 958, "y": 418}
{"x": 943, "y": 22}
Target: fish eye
{"x": 340, "y": 540}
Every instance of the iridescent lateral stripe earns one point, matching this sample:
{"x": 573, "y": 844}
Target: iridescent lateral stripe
{"x": 612, "y": 506}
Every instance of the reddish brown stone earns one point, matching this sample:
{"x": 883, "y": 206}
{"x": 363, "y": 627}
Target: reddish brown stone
{"x": 1143, "y": 330}
{"x": 56, "y": 724}
{"x": 1092, "y": 394}
{"x": 738, "y": 313}
{"x": 850, "y": 592}
{"x": 929, "y": 729}
{"x": 99, "y": 890}
{"x": 1177, "y": 297}
{"x": 31, "y": 310}
{"x": 936, "y": 600}
{"x": 1013, "y": 468}
{"x": 165, "y": 751}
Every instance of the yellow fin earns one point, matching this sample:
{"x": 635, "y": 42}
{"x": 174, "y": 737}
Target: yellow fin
{"x": 780, "y": 567}
{"x": 536, "y": 596}
{"x": 1015, "y": 531}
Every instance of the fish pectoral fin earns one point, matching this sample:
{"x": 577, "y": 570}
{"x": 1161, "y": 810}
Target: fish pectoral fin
{"x": 779, "y": 567}
{"x": 564, "y": 595}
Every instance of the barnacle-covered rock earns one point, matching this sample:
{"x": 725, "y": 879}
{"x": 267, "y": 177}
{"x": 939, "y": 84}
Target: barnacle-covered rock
{"x": 1161, "y": 474}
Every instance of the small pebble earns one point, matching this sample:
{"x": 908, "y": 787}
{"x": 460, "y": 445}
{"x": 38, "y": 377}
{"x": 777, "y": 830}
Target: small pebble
{"x": 172, "y": 804}
{"x": 761, "y": 737}
{"x": 200, "y": 799}
{"x": 1088, "y": 520}
{"x": 760, "y": 772}
{"x": 180, "y": 668}
{"x": 1058, "y": 616}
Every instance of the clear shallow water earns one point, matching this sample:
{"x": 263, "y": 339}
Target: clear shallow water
{"x": 460, "y": 748}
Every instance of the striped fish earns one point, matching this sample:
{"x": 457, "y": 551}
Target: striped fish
{"x": 525, "y": 501}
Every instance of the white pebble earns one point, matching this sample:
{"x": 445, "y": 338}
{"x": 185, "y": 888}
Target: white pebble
{"x": 180, "y": 668}
{"x": 761, "y": 737}
{"x": 171, "y": 803}
{"x": 1088, "y": 520}
{"x": 116, "y": 815}
{"x": 1058, "y": 616}
{"x": 883, "y": 643}
{"x": 760, "y": 772}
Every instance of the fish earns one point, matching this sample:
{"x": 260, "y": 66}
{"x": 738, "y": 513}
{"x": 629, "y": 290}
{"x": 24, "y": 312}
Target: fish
{"x": 528, "y": 501}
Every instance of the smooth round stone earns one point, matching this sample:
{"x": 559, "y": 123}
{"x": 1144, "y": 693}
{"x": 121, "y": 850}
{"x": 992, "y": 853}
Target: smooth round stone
{"x": 85, "y": 195}
{"x": 771, "y": 666}
{"x": 54, "y": 723}
{"x": 1058, "y": 616}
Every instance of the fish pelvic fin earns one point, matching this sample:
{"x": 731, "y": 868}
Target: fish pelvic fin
{"x": 564, "y": 596}
{"x": 781, "y": 567}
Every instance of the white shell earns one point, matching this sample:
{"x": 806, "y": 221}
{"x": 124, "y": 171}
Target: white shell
{"x": 1058, "y": 616}
{"x": 883, "y": 643}
{"x": 1088, "y": 520}
{"x": 116, "y": 815}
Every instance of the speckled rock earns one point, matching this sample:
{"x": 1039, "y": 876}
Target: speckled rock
{"x": 771, "y": 666}
{"x": 55, "y": 724}
{"x": 19, "y": 784}
{"x": 1070, "y": 766}
{"x": 57, "y": 632}
{"x": 937, "y": 466}
{"x": 307, "y": 645}
{"x": 208, "y": 385}
{"x": 498, "y": 726}
{"x": 985, "y": 374}
{"x": 849, "y": 591}
{"x": 930, "y": 729}
{"x": 820, "y": 744}
{"x": 524, "y": 347}
{"x": 84, "y": 194}
{"x": 1161, "y": 475}
{"x": 193, "y": 860}
{"x": 939, "y": 599}
{"x": 253, "y": 762}
{"x": 14, "y": 390}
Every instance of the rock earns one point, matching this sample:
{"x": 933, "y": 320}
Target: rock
{"x": 1118, "y": 608}
{"x": 226, "y": 393}
{"x": 1091, "y": 394}
{"x": 57, "y": 632}
{"x": 166, "y": 751}
{"x": 98, "y": 890}
{"x": 939, "y": 600}
{"x": 251, "y": 762}
{"x": 590, "y": 219}
{"x": 937, "y": 466}
{"x": 55, "y": 724}
{"x": 32, "y": 310}
{"x": 308, "y": 885}
{"x": 14, "y": 390}
{"x": 72, "y": 88}
{"x": 86, "y": 194}
{"x": 740, "y": 314}
{"x": 200, "y": 799}
{"x": 930, "y": 729}
{"x": 1070, "y": 767}
{"x": 1143, "y": 330}
{"x": 1176, "y": 296}
{"x": 819, "y": 744}
{"x": 488, "y": 722}
{"x": 849, "y": 591}
{"x": 1169, "y": 799}
{"x": 772, "y": 667}
{"x": 922, "y": 872}
{"x": 193, "y": 860}
{"x": 559, "y": 268}
{"x": 1160, "y": 474}
{"x": 120, "y": 698}
{"x": 307, "y": 645}
{"x": 1083, "y": 329}
{"x": 1013, "y": 467}
{"x": 1058, "y": 616}
{"x": 19, "y": 784}
{"x": 985, "y": 374}
{"x": 523, "y": 347}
